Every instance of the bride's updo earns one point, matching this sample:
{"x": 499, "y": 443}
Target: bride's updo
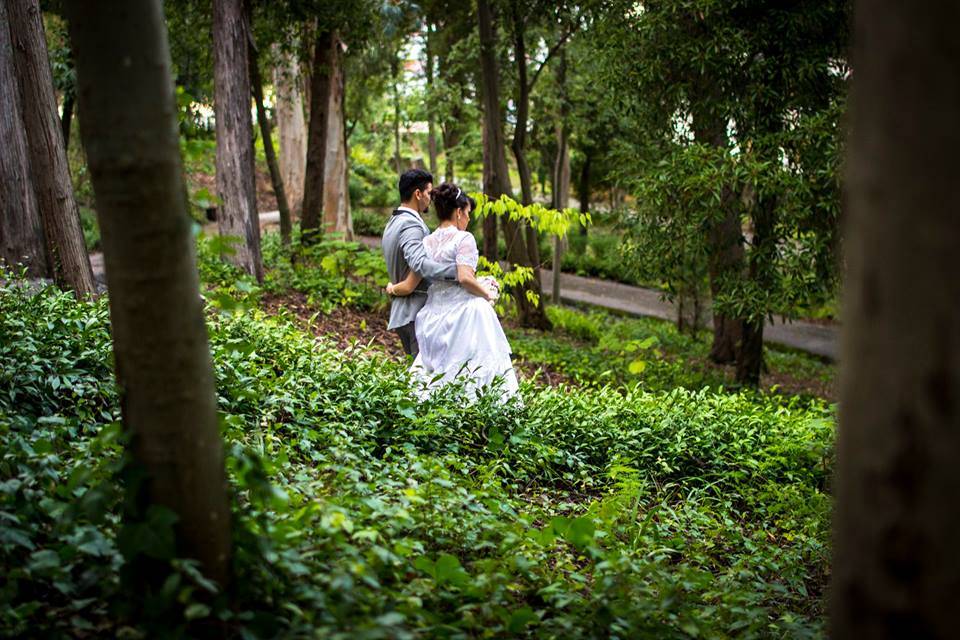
{"x": 447, "y": 198}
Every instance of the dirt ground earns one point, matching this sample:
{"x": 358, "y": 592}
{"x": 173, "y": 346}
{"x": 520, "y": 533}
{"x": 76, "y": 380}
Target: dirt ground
{"x": 346, "y": 325}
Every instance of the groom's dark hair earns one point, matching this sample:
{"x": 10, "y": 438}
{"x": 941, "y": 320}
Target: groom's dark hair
{"x": 412, "y": 180}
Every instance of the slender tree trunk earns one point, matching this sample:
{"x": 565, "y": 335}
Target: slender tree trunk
{"x": 161, "y": 354}
{"x": 449, "y": 143}
{"x": 265, "y": 130}
{"x": 66, "y": 119}
{"x": 492, "y": 181}
{"x": 59, "y": 215}
{"x": 750, "y": 353}
{"x": 896, "y": 558}
{"x": 583, "y": 186}
{"x": 291, "y": 128}
{"x": 313, "y": 188}
{"x": 497, "y": 178}
{"x": 395, "y": 71}
{"x": 431, "y": 120}
{"x": 561, "y": 171}
{"x": 725, "y": 262}
{"x": 21, "y": 233}
{"x": 336, "y": 187}
{"x": 237, "y": 215}
{"x": 519, "y": 144}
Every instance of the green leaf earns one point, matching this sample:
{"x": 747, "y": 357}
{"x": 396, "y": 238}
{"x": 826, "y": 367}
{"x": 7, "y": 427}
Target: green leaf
{"x": 637, "y": 367}
{"x": 520, "y": 619}
{"x": 197, "y": 610}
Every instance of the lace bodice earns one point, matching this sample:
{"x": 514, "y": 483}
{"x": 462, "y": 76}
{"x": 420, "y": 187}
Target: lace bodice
{"x": 449, "y": 244}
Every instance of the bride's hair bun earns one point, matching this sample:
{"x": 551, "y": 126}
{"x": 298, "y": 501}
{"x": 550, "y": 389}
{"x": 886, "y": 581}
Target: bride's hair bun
{"x": 447, "y": 198}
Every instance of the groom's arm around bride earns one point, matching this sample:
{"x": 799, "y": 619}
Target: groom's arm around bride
{"x": 403, "y": 251}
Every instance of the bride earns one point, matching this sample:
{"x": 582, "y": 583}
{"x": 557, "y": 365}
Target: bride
{"x": 457, "y": 329}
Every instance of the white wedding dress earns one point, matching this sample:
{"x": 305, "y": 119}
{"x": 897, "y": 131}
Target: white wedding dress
{"x": 459, "y": 334}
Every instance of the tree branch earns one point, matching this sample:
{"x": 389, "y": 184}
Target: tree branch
{"x": 556, "y": 47}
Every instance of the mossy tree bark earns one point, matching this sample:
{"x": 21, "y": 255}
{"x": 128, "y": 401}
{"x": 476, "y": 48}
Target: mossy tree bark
{"x": 160, "y": 345}
{"x": 313, "y": 187}
{"x": 21, "y": 233}
{"x": 49, "y": 169}
{"x": 896, "y": 568}
{"x": 237, "y": 214}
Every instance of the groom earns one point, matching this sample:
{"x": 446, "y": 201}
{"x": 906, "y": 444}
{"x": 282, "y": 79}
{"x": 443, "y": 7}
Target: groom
{"x": 403, "y": 250}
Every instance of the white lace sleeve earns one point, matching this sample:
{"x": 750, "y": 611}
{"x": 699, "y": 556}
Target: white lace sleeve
{"x": 467, "y": 253}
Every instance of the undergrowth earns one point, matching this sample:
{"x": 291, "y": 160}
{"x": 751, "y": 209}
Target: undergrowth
{"x": 361, "y": 513}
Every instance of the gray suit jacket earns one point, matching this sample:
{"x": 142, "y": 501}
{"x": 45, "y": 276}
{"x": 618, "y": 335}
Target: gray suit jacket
{"x": 403, "y": 250}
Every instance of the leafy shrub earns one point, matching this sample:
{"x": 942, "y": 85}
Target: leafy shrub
{"x": 596, "y": 348}
{"x": 372, "y": 182}
{"x": 369, "y": 222}
{"x": 361, "y": 513}
{"x": 331, "y": 272}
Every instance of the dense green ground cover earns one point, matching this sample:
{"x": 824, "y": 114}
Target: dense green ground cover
{"x": 595, "y": 348}
{"x": 361, "y": 513}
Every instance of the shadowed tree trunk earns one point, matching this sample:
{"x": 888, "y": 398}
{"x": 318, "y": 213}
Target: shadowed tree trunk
{"x": 450, "y": 141}
{"x": 583, "y": 185}
{"x": 561, "y": 172}
{"x": 21, "y": 234}
{"x": 276, "y": 179}
{"x": 237, "y": 214}
{"x": 496, "y": 176}
{"x": 725, "y": 260}
{"x": 896, "y": 568}
{"x": 750, "y": 352}
{"x": 291, "y": 128}
{"x": 395, "y": 75}
{"x": 161, "y": 355}
{"x": 336, "y": 184}
{"x": 431, "y": 120}
{"x": 49, "y": 170}
{"x": 313, "y": 187}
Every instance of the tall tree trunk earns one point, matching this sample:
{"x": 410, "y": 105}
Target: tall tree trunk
{"x": 750, "y": 353}
{"x": 237, "y": 214}
{"x": 291, "y": 128}
{"x": 496, "y": 176}
{"x": 519, "y": 144}
{"x": 431, "y": 120}
{"x": 275, "y": 177}
{"x": 313, "y": 188}
{"x": 491, "y": 182}
{"x": 896, "y": 558}
{"x": 21, "y": 234}
{"x": 161, "y": 355}
{"x": 450, "y": 141}
{"x": 583, "y": 185}
{"x": 395, "y": 73}
{"x": 59, "y": 215}
{"x": 725, "y": 260}
{"x": 336, "y": 186}
{"x": 561, "y": 171}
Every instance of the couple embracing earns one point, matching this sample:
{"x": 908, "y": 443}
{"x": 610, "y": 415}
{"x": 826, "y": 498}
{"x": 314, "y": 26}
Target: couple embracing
{"x": 441, "y": 311}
